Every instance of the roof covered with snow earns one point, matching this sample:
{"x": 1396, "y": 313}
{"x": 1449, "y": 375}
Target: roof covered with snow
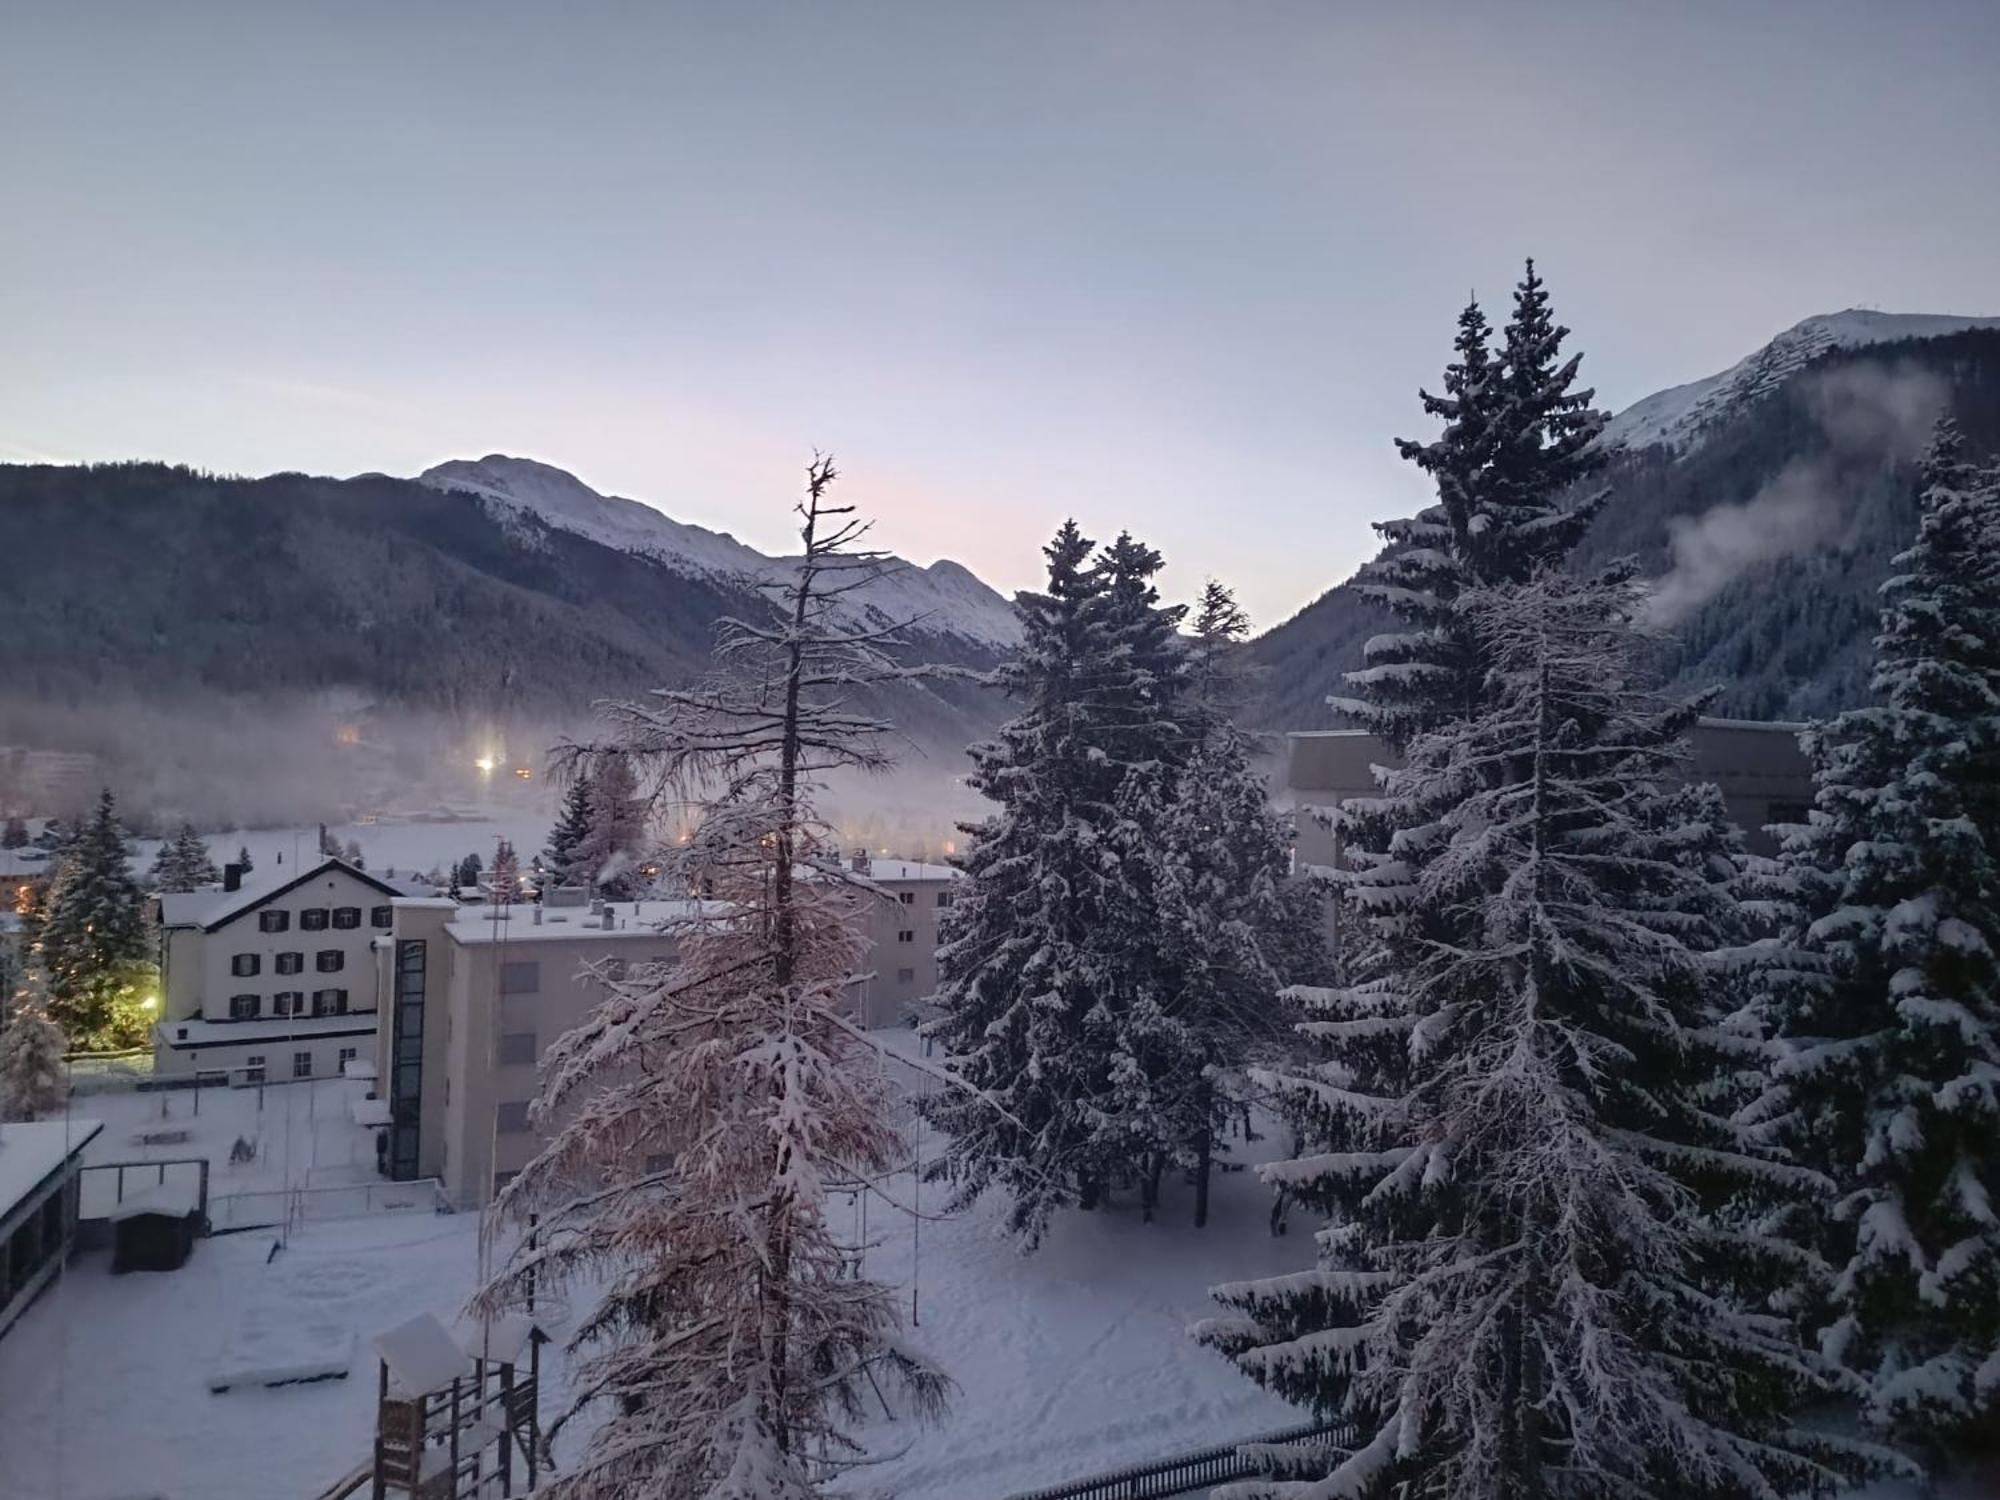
{"x": 29, "y": 1152}
{"x": 1675, "y": 418}
{"x": 212, "y": 906}
{"x": 630, "y": 919}
{"x": 199, "y": 1033}
{"x": 908, "y": 869}
{"x": 30, "y": 862}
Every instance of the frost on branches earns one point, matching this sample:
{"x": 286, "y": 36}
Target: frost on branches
{"x": 31, "y": 1066}
{"x": 1516, "y": 436}
{"x": 1528, "y": 1284}
{"x": 702, "y": 1111}
{"x": 1888, "y": 1000}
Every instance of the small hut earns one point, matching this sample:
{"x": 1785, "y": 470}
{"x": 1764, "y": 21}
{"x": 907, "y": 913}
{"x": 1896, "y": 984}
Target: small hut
{"x": 155, "y": 1230}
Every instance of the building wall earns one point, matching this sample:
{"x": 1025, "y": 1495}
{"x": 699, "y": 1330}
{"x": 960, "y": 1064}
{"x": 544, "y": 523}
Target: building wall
{"x": 902, "y": 934}
{"x": 242, "y": 937}
{"x": 274, "y": 1056}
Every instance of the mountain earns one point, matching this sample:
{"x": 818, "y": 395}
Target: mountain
{"x": 255, "y": 641}
{"x": 943, "y": 599}
{"x": 1763, "y": 503}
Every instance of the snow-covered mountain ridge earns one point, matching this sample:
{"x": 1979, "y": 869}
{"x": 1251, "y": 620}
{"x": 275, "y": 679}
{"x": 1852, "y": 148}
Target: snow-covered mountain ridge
{"x": 1677, "y": 417}
{"x": 944, "y": 599}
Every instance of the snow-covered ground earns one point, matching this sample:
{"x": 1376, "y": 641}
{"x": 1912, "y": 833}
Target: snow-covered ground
{"x": 1069, "y": 1362}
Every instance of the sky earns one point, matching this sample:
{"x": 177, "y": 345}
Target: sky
{"x": 1177, "y": 269}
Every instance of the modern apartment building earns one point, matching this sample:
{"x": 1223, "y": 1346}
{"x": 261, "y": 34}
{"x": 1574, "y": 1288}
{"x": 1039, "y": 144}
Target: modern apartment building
{"x": 274, "y": 980}
{"x": 472, "y": 997}
{"x": 902, "y": 928}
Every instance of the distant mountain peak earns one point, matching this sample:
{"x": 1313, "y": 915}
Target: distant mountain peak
{"x": 1678, "y": 417}
{"x": 945, "y": 598}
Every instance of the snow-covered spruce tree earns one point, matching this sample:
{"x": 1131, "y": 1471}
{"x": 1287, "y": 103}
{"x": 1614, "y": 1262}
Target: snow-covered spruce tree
{"x": 1888, "y": 1006}
{"x": 31, "y": 1066}
{"x": 1049, "y": 964}
{"x": 183, "y": 863}
{"x": 1525, "y": 1287}
{"x": 93, "y": 935}
{"x": 566, "y": 836}
{"x": 1516, "y": 437}
{"x": 14, "y": 835}
{"x": 243, "y": 861}
{"x": 504, "y": 880}
{"x": 1232, "y": 930}
{"x": 708, "y": 1101}
{"x": 607, "y": 857}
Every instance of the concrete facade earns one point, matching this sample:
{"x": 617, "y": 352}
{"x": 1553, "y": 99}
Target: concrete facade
{"x": 1764, "y": 777}
{"x": 901, "y": 925}
{"x": 271, "y": 981}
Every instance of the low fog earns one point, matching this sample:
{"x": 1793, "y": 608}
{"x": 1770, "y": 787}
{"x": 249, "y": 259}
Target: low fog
{"x": 233, "y": 763}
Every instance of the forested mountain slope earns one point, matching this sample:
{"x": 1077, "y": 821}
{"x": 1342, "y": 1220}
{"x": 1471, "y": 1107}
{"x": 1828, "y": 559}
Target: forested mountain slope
{"x": 1765, "y": 503}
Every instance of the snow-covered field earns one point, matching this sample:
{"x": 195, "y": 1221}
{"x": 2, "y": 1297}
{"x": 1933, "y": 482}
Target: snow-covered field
{"x": 404, "y": 847}
{"x": 1069, "y": 1362}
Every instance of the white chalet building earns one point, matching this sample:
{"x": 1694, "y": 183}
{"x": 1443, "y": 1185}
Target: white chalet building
{"x": 272, "y": 981}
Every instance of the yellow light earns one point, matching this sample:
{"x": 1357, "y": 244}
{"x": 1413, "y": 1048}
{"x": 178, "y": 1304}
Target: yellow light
{"x": 151, "y": 1002}
{"x": 485, "y": 764}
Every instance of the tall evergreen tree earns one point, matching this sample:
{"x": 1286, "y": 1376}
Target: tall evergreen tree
{"x": 93, "y": 936}
{"x": 1033, "y": 960}
{"x": 1232, "y": 929}
{"x": 1888, "y": 998}
{"x": 566, "y": 837}
{"x": 1516, "y": 438}
{"x": 607, "y": 858}
{"x": 15, "y": 834}
{"x": 243, "y": 861}
{"x": 714, "y": 1095}
{"x": 1528, "y": 1285}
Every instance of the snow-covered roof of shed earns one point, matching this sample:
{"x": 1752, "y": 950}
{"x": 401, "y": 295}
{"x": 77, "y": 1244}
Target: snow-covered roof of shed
{"x": 175, "y": 1200}
{"x": 32, "y": 1150}
{"x": 421, "y": 1354}
{"x": 31, "y": 862}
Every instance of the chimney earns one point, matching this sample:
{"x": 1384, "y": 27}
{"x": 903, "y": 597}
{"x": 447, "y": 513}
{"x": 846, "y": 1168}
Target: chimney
{"x": 858, "y": 862}
{"x": 232, "y": 877}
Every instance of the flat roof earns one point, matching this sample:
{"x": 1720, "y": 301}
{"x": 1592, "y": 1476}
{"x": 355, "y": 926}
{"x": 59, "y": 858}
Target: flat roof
{"x": 906, "y": 869}
{"x": 30, "y": 1151}
{"x": 517, "y": 924}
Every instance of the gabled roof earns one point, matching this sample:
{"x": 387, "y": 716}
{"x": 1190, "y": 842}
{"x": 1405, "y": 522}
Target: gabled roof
{"x": 215, "y": 908}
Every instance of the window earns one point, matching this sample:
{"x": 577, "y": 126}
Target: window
{"x": 273, "y": 921}
{"x": 291, "y": 963}
{"x": 346, "y": 918}
{"x": 243, "y": 1007}
{"x": 329, "y": 960}
{"x": 302, "y": 1065}
{"x": 243, "y": 965}
{"x": 511, "y": 1118}
{"x": 908, "y": 898}
{"x": 906, "y": 976}
{"x": 943, "y": 899}
{"x": 288, "y": 1003}
{"x": 313, "y": 920}
{"x": 519, "y": 1048}
{"x": 381, "y": 916}
{"x": 907, "y": 935}
{"x": 659, "y": 1161}
{"x": 521, "y": 978}
{"x": 253, "y": 1069}
{"x": 500, "y": 1181}
{"x": 329, "y": 1002}
{"x": 347, "y": 1055}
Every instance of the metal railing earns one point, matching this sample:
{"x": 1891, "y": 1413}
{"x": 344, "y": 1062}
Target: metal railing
{"x": 1187, "y": 1472}
{"x": 265, "y": 1207}
{"x": 102, "y": 1186}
